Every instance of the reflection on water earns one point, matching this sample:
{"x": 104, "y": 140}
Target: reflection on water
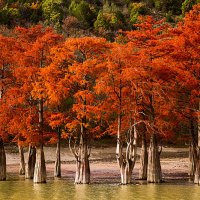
{"x": 63, "y": 189}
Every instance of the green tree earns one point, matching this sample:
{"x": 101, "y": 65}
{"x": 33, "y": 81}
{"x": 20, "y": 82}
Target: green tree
{"x": 187, "y": 5}
{"x": 9, "y": 15}
{"x": 53, "y": 12}
{"x": 31, "y": 12}
{"x": 83, "y": 12}
{"x": 136, "y": 9}
{"x": 101, "y": 21}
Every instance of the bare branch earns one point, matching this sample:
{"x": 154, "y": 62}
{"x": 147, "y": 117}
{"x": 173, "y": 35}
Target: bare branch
{"x": 160, "y": 150}
{"x": 73, "y": 150}
{"x": 89, "y": 151}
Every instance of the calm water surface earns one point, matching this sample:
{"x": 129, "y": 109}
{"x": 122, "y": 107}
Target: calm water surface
{"x": 63, "y": 189}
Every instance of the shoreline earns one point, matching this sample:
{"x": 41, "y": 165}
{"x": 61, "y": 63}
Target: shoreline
{"x": 104, "y": 167}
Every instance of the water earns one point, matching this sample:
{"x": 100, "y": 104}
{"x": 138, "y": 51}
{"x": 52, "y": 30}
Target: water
{"x": 64, "y": 189}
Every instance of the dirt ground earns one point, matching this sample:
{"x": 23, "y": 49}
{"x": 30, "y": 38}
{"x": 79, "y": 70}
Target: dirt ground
{"x": 104, "y": 168}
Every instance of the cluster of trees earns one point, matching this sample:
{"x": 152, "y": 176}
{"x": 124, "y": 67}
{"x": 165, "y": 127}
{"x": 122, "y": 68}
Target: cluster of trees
{"x": 106, "y": 15}
{"x": 138, "y": 88}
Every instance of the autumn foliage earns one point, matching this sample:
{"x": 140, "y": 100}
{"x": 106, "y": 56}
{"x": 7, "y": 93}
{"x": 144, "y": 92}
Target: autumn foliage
{"x": 88, "y": 82}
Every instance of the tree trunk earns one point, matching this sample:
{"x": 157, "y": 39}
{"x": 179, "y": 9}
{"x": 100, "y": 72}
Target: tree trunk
{"x": 127, "y": 164}
{"x": 30, "y": 166}
{"x": 143, "y": 159}
{"x": 82, "y": 163}
{"x": 2, "y": 161}
{"x": 22, "y": 162}
{"x": 126, "y": 161}
{"x": 197, "y": 171}
{"x": 57, "y": 168}
{"x": 192, "y": 152}
{"x": 126, "y": 170}
{"x": 154, "y": 168}
{"x": 40, "y": 166}
{"x": 192, "y": 160}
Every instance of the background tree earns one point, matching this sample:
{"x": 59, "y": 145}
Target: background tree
{"x": 83, "y": 12}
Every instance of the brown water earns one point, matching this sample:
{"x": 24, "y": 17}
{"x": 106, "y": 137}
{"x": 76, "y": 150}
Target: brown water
{"x": 64, "y": 189}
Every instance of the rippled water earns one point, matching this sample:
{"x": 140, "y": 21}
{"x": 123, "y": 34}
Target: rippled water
{"x": 63, "y": 189}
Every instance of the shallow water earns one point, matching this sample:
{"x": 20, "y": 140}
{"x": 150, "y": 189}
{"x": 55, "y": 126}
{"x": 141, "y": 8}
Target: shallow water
{"x": 64, "y": 189}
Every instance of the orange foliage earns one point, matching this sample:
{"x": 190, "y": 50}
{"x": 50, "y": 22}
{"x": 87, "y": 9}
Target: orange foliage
{"x": 151, "y": 77}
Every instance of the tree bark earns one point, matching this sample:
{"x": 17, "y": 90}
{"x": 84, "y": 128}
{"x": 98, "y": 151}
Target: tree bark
{"x": 143, "y": 159}
{"x": 192, "y": 152}
{"x": 2, "y": 150}
{"x": 126, "y": 161}
{"x": 82, "y": 155}
{"x": 2, "y": 161}
{"x": 30, "y": 166}
{"x": 40, "y": 166}
{"x": 57, "y": 168}
{"x": 82, "y": 168}
{"x": 22, "y": 162}
{"x": 197, "y": 171}
{"x": 192, "y": 160}
{"x": 154, "y": 174}
{"x": 82, "y": 175}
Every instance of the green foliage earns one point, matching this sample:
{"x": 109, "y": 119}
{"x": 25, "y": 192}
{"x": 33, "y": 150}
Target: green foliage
{"x": 82, "y": 11}
{"x": 106, "y": 14}
{"x": 101, "y": 21}
{"x": 119, "y": 21}
{"x": 18, "y": 13}
{"x": 110, "y": 7}
{"x": 27, "y": 1}
{"x": 52, "y": 12}
{"x": 158, "y": 4}
{"x": 169, "y": 17}
{"x": 187, "y": 5}
{"x": 110, "y": 21}
{"x": 136, "y": 9}
{"x": 31, "y": 11}
{"x": 8, "y": 15}
{"x": 168, "y": 5}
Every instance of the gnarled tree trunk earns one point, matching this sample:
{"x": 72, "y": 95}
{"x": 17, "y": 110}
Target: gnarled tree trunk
{"x": 82, "y": 161}
{"x": 57, "y": 168}
{"x": 126, "y": 160}
{"x": 40, "y": 166}
{"x": 82, "y": 166}
{"x": 143, "y": 159}
{"x": 154, "y": 174}
{"x": 30, "y": 166}
{"x": 22, "y": 162}
{"x": 2, "y": 161}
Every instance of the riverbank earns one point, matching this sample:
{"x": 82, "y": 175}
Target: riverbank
{"x": 104, "y": 168}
